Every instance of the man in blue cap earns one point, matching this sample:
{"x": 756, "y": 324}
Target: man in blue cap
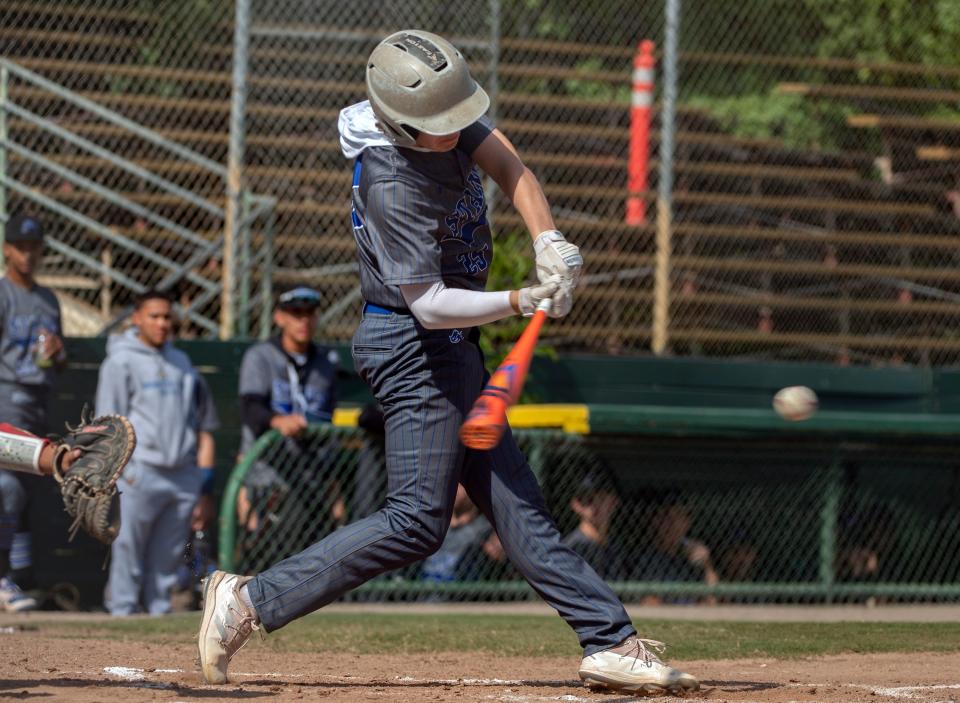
{"x": 31, "y": 353}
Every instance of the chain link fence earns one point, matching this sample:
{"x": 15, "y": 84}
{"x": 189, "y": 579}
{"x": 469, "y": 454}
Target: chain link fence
{"x": 775, "y": 520}
{"x": 814, "y": 172}
{"x": 114, "y": 135}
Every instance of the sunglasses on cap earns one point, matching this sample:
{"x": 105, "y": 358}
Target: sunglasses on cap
{"x": 299, "y": 298}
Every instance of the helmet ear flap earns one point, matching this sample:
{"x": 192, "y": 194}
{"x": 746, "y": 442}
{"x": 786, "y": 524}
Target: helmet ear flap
{"x": 392, "y": 129}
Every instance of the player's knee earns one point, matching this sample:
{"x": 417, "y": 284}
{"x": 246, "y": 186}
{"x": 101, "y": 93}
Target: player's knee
{"x": 432, "y": 538}
{"x": 427, "y": 535}
{"x": 424, "y": 534}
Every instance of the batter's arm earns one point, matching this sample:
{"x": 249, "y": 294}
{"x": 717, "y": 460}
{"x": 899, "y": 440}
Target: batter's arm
{"x": 498, "y": 158}
{"x": 437, "y": 307}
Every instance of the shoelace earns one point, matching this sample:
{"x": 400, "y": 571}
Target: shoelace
{"x": 242, "y": 630}
{"x": 641, "y": 649}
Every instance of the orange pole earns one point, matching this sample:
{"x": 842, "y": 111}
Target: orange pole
{"x": 640, "y": 110}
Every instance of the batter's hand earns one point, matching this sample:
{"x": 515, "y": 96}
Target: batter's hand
{"x": 557, "y": 257}
{"x": 531, "y": 297}
{"x": 562, "y": 301}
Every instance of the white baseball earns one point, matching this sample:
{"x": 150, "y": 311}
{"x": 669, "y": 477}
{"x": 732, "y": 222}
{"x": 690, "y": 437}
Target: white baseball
{"x": 795, "y": 403}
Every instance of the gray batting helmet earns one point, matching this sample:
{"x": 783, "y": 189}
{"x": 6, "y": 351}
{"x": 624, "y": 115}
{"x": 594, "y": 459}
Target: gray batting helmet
{"x": 418, "y": 79}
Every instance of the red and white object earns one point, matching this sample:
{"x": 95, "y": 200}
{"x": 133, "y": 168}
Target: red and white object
{"x": 640, "y": 112}
{"x": 795, "y": 403}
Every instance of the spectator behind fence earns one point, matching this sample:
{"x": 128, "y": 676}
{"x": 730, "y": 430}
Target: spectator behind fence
{"x": 31, "y": 352}
{"x": 459, "y": 555}
{"x": 865, "y": 536}
{"x": 165, "y": 489}
{"x": 286, "y": 384}
{"x": 671, "y": 554}
{"x": 595, "y": 503}
{"x": 737, "y": 560}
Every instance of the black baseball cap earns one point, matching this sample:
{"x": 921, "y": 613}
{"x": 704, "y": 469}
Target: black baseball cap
{"x": 299, "y": 298}
{"x": 23, "y": 228}
{"x": 595, "y": 481}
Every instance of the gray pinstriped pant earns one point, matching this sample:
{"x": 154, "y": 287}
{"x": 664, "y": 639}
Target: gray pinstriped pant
{"x": 426, "y": 384}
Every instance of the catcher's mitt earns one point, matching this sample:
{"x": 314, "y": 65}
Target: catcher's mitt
{"x": 89, "y": 486}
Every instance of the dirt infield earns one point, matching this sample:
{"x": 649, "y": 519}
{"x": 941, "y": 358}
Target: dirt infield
{"x": 84, "y": 670}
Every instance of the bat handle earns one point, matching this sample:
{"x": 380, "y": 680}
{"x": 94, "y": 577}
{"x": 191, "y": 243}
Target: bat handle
{"x": 545, "y": 304}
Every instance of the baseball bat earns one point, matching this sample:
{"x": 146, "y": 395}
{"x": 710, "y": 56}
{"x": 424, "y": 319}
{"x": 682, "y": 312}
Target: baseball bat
{"x": 487, "y": 420}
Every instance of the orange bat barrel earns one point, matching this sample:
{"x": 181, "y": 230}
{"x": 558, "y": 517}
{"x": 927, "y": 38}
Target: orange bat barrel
{"x": 487, "y": 420}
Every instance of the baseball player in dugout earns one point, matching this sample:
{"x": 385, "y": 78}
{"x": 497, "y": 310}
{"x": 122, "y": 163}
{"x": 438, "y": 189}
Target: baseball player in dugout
{"x": 31, "y": 355}
{"x": 424, "y": 247}
{"x": 287, "y": 383}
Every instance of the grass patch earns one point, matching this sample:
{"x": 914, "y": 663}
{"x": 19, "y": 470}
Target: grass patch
{"x": 535, "y": 635}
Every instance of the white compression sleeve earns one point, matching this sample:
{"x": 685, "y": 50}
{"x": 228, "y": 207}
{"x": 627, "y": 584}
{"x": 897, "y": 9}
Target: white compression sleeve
{"x": 437, "y": 307}
{"x": 20, "y": 452}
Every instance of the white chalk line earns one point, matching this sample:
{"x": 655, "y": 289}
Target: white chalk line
{"x": 514, "y": 698}
{"x": 888, "y": 691}
{"x": 138, "y": 675}
{"x": 486, "y": 682}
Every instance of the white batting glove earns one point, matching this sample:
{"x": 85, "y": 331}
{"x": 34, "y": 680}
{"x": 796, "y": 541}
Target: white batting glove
{"x": 557, "y": 256}
{"x": 531, "y": 297}
{"x": 562, "y": 301}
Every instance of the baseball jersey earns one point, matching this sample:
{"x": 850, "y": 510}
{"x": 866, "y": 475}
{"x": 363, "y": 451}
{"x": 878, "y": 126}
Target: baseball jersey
{"x": 24, "y": 387}
{"x": 304, "y": 386}
{"x": 420, "y": 217}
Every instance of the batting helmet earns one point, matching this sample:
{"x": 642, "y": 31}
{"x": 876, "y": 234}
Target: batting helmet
{"x": 419, "y": 80}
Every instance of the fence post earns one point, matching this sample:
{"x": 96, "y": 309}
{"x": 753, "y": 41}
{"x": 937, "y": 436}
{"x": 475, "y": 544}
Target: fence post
{"x": 266, "y": 277}
{"x": 4, "y": 79}
{"x": 231, "y": 219}
{"x": 828, "y": 525}
{"x": 640, "y": 109}
{"x": 661, "y": 280}
{"x": 106, "y": 294}
{"x": 244, "y": 232}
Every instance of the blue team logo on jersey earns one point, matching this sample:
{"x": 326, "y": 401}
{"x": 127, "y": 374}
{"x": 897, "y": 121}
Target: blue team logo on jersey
{"x": 469, "y": 214}
{"x": 456, "y": 336}
{"x": 309, "y": 402}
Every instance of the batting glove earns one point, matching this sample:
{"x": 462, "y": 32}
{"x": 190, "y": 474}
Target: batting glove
{"x": 531, "y": 297}
{"x": 562, "y": 301}
{"x": 557, "y": 256}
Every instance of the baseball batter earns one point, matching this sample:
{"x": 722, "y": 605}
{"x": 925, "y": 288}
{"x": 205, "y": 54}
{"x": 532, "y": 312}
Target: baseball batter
{"x": 424, "y": 248}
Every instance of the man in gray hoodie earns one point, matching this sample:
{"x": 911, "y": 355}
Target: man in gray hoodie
{"x": 162, "y": 492}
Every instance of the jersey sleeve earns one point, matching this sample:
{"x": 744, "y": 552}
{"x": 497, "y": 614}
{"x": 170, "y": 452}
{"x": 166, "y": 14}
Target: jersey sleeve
{"x": 473, "y": 136}
{"x": 407, "y": 246}
{"x": 209, "y": 420}
{"x": 255, "y": 377}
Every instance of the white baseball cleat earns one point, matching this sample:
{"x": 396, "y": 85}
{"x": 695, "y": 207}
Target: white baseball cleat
{"x": 632, "y": 667}
{"x": 226, "y": 625}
